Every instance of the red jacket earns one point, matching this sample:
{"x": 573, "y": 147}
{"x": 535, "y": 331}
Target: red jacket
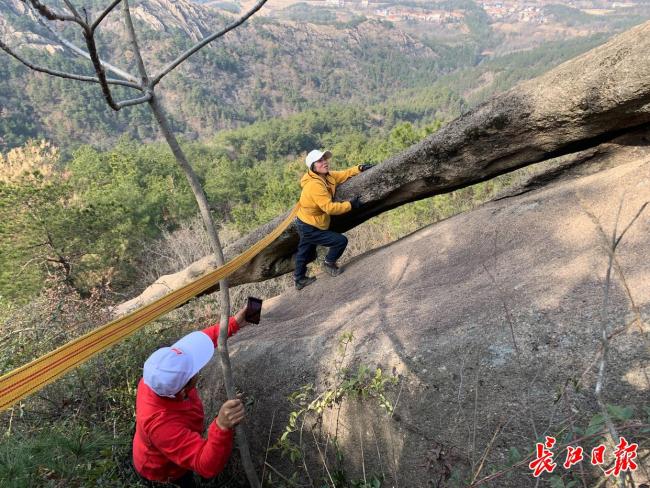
{"x": 168, "y": 440}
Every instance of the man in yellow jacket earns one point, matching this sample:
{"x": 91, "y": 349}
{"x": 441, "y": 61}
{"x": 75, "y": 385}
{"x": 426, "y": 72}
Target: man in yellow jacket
{"x": 313, "y": 218}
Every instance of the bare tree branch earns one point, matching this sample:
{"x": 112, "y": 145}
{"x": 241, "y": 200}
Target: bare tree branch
{"x": 149, "y": 96}
{"x": 505, "y": 309}
{"x": 80, "y": 52}
{"x": 91, "y": 54}
{"x": 135, "y": 101}
{"x": 605, "y": 342}
{"x": 99, "y": 69}
{"x": 134, "y": 42}
{"x": 611, "y": 250}
{"x": 103, "y": 15}
{"x": 499, "y": 428}
{"x": 203, "y": 205}
{"x": 73, "y": 10}
{"x": 136, "y": 49}
{"x": 61, "y": 74}
{"x": 156, "y": 79}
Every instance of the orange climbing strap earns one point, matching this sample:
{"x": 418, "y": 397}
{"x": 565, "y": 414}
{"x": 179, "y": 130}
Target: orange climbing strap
{"x": 27, "y": 379}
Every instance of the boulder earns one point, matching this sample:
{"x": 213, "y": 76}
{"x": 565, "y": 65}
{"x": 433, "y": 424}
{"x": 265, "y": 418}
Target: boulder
{"x": 490, "y": 321}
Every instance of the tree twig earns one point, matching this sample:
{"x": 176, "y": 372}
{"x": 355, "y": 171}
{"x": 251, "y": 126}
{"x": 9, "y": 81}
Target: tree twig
{"x": 92, "y": 54}
{"x": 103, "y": 15}
{"x": 611, "y": 251}
{"x": 17, "y": 331}
{"x": 99, "y": 68}
{"x": 509, "y": 319}
{"x": 134, "y": 101}
{"x": 473, "y": 443}
{"x": 268, "y": 443}
{"x": 638, "y": 214}
{"x": 381, "y": 465}
{"x": 505, "y": 309}
{"x": 323, "y": 460}
{"x": 605, "y": 341}
{"x": 134, "y": 42}
{"x": 487, "y": 451}
{"x": 363, "y": 460}
{"x": 304, "y": 462}
{"x": 292, "y": 483}
{"x": 73, "y": 11}
{"x": 399, "y": 393}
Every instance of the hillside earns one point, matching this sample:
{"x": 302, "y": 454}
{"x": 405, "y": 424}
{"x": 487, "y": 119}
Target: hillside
{"x": 266, "y": 68}
{"x": 263, "y": 69}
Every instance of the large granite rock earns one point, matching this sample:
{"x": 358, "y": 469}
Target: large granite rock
{"x": 491, "y": 320}
{"x": 580, "y": 104}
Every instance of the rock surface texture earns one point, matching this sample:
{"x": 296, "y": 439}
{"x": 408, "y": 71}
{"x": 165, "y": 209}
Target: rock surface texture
{"x": 578, "y": 105}
{"x": 486, "y": 317}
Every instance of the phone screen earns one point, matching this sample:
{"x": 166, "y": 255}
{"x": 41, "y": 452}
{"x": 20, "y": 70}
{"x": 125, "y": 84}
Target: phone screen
{"x": 253, "y": 310}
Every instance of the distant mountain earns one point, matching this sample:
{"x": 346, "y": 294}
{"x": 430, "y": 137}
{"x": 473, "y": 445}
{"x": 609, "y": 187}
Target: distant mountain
{"x": 262, "y": 69}
{"x": 265, "y": 68}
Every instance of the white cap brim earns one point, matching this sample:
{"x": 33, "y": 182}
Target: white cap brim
{"x": 315, "y": 155}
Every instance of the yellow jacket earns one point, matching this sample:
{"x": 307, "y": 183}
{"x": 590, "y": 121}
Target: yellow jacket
{"x": 316, "y": 203}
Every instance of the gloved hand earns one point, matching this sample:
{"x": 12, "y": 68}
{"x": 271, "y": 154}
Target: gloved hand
{"x": 365, "y": 167}
{"x": 355, "y": 202}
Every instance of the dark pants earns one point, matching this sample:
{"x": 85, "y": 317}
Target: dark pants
{"x": 310, "y": 238}
{"x": 185, "y": 481}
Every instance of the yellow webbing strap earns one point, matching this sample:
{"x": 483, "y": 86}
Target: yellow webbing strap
{"x": 27, "y": 379}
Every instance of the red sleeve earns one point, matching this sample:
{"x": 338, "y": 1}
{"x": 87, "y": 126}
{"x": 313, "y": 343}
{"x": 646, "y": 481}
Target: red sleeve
{"x": 213, "y": 330}
{"x": 188, "y": 449}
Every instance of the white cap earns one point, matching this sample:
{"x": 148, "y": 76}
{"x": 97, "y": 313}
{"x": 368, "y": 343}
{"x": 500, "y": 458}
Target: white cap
{"x": 169, "y": 369}
{"x": 315, "y": 155}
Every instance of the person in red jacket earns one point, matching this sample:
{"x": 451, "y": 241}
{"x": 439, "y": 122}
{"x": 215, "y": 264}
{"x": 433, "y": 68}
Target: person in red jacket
{"x": 168, "y": 446}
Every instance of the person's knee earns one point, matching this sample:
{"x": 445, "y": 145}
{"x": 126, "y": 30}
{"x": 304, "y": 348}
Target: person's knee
{"x": 343, "y": 240}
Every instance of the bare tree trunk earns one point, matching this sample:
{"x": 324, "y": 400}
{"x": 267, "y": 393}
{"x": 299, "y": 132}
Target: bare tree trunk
{"x": 204, "y": 208}
{"x": 208, "y": 222}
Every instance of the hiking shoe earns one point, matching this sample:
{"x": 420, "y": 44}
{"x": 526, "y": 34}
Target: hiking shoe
{"x": 331, "y": 269}
{"x": 302, "y": 282}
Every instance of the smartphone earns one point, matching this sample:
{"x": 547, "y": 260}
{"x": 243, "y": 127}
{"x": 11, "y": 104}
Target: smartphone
{"x": 253, "y": 310}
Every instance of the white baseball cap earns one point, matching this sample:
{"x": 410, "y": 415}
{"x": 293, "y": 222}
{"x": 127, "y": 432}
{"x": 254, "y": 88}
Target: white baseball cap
{"x": 169, "y": 369}
{"x": 315, "y": 155}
